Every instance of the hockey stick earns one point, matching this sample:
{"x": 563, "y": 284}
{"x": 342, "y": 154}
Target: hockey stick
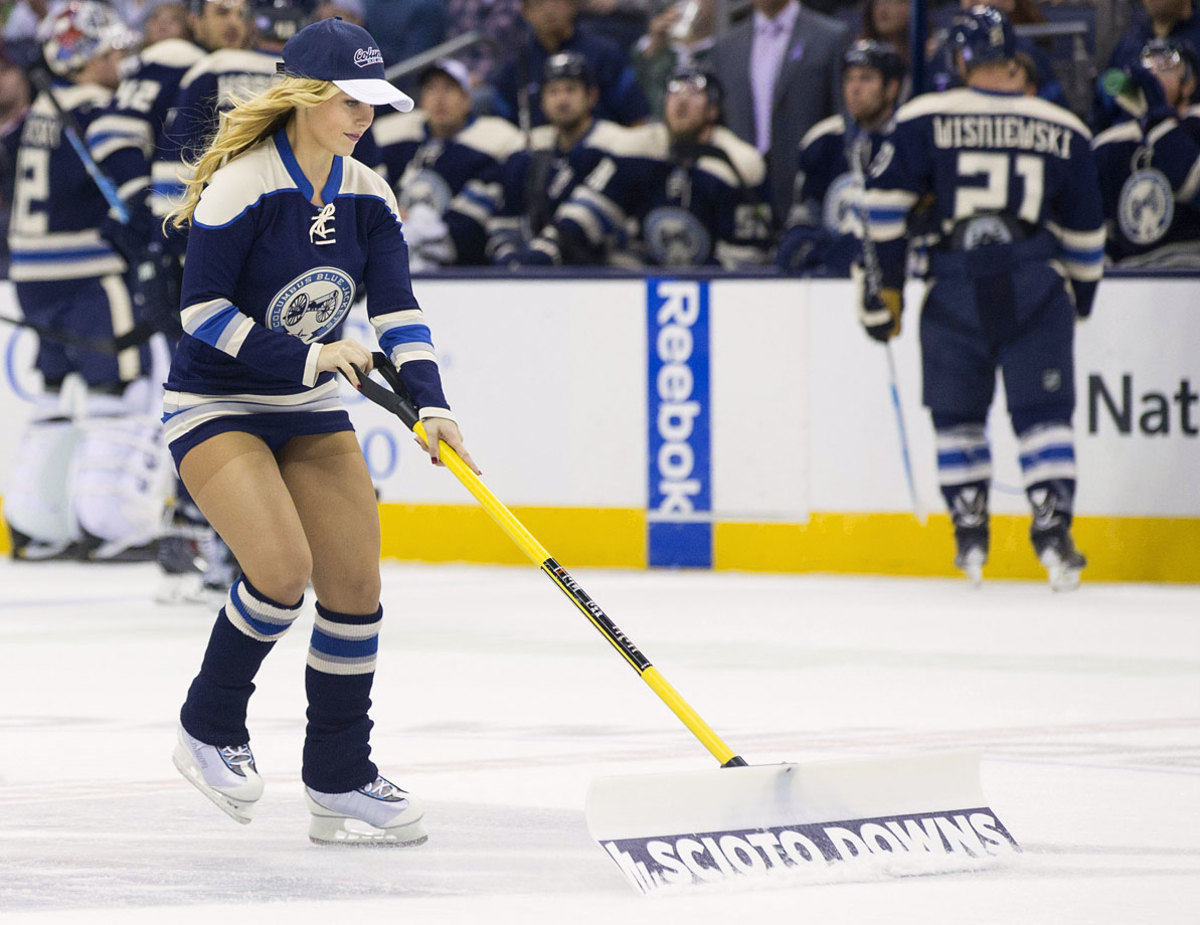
{"x": 108, "y": 189}
{"x": 444, "y": 50}
{"x": 685, "y": 827}
{"x": 873, "y": 280}
{"x": 397, "y": 401}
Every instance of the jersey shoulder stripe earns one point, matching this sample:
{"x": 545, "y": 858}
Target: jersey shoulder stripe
{"x": 398, "y": 127}
{"x": 832, "y": 125}
{"x": 240, "y": 184}
{"x": 229, "y": 61}
{"x": 745, "y": 157}
{"x": 493, "y": 136}
{"x": 966, "y": 101}
{"x": 649, "y": 141}
{"x": 1117, "y": 134}
{"x": 172, "y": 53}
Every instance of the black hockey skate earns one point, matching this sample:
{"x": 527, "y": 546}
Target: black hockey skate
{"x": 1061, "y": 560}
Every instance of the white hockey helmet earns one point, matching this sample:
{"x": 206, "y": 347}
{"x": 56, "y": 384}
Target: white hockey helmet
{"x": 74, "y": 33}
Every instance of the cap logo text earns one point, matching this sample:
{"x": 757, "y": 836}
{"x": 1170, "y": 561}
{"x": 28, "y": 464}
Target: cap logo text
{"x": 365, "y": 57}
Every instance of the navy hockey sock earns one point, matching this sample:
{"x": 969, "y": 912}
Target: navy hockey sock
{"x": 341, "y": 669}
{"x": 964, "y": 472}
{"x": 246, "y": 630}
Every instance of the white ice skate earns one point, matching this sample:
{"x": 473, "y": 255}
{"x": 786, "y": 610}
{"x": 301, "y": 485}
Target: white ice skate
{"x": 226, "y": 775}
{"x": 379, "y": 813}
{"x": 1063, "y": 563}
{"x": 970, "y": 561}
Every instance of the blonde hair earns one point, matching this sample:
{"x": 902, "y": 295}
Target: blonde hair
{"x": 249, "y": 122}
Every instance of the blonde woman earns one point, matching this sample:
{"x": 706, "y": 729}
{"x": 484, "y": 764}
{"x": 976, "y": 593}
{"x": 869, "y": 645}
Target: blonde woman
{"x": 285, "y": 230}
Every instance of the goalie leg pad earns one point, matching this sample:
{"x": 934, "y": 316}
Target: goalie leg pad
{"x": 121, "y": 476}
{"x": 36, "y": 501}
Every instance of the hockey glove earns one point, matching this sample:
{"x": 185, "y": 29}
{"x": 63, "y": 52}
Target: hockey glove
{"x": 800, "y": 249}
{"x": 880, "y": 313}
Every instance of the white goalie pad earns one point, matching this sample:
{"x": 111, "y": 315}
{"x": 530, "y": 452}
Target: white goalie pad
{"x": 122, "y": 475}
{"x": 36, "y": 501}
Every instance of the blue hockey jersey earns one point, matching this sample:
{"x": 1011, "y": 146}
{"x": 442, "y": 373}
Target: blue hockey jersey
{"x": 536, "y": 181}
{"x": 457, "y": 177}
{"x": 1014, "y": 161}
{"x": 825, "y": 221}
{"x": 269, "y": 277}
{"x": 690, "y": 205}
{"x": 1150, "y": 183}
{"x": 124, "y": 138}
{"x": 57, "y": 208}
{"x": 209, "y": 87}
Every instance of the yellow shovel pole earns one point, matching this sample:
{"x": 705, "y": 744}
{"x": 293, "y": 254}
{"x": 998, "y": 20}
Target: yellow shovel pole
{"x": 399, "y": 404}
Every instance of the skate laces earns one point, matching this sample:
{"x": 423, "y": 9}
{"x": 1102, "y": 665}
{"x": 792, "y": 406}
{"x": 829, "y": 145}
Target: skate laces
{"x": 382, "y": 789}
{"x": 237, "y": 758}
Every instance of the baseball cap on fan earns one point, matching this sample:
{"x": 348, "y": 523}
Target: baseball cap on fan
{"x": 346, "y": 55}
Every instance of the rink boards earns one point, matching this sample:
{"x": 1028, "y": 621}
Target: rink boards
{"x": 748, "y": 424}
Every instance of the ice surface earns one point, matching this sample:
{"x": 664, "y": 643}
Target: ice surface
{"x": 497, "y": 702}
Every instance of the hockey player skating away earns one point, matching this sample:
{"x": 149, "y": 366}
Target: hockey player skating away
{"x": 694, "y": 190}
{"x": 825, "y": 225}
{"x": 535, "y": 181}
{"x": 1150, "y": 166}
{"x": 443, "y": 161}
{"x": 123, "y": 140}
{"x": 279, "y": 208}
{"x": 88, "y": 478}
{"x": 1015, "y": 191}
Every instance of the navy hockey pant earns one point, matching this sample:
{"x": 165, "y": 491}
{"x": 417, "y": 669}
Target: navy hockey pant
{"x": 1019, "y": 319}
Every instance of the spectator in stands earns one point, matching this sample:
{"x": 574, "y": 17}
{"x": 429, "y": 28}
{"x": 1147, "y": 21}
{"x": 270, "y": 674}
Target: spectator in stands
{"x": 353, "y": 11}
{"x": 781, "y": 70}
{"x": 943, "y": 74}
{"x": 404, "y": 28}
{"x": 888, "y": 21}
{"x": 1149, "y": 165}
{"x": 162, "y": 21}
{"x": 694, "y": 190}
{"x": 534, "y": 182}
{"x": 21, "y": 43}
{"x": 682, "y": 35}
{"x": 1161, "y": 19}
{"x": 825, "y": 225}
{"x": 552, "y": 29}
{"x": 500, "y": 21}
{"x": 440, "y": 158}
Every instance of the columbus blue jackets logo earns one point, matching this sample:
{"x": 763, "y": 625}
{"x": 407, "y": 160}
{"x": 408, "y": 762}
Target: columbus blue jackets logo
{"x": 1146, "y": 206}
{"x": 313, "y": 304}
{"x": 843, "y": 205}
{"x": 425, "y": 186}
{"x": 676, "y": 238}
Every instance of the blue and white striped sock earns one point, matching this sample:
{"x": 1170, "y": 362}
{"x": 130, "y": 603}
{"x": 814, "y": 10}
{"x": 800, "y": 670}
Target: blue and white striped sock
{"x": 341, "y": 669}
{"x": 246, "y": 630}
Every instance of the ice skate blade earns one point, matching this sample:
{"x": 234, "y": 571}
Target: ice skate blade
{"x": 1063, "y": 577}
{"x": 971, "y": 565}
{"x": 238, "y": 810}
{"x": 344, "y": 831}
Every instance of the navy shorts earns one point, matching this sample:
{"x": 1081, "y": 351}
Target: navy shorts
{"x": 274, "y": 429}
{"x": 189, "y": 418}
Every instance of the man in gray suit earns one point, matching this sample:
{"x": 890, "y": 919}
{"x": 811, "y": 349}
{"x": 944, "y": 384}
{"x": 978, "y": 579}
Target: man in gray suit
{"x": 781, "y": 70}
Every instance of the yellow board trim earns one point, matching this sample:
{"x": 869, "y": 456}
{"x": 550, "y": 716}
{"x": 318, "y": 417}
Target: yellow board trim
{"x": 1158, "y": 549}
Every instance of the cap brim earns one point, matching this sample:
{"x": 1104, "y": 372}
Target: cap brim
{"x": 376, "y": 92}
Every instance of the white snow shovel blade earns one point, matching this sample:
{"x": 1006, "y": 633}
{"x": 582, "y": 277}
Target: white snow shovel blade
{"x": 907, "y": 815}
